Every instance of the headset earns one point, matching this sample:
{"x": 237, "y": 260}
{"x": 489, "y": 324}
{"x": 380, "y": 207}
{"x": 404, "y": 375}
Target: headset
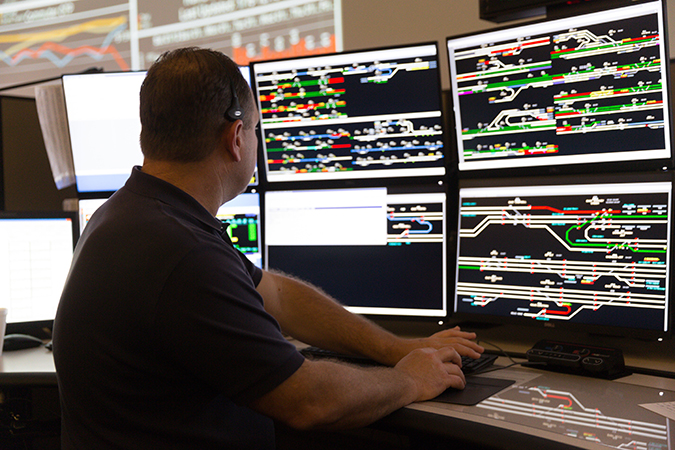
{"x": 234, "y": 112}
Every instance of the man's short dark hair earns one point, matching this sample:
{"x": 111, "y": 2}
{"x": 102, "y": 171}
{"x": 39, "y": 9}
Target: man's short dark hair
{"x": 183, "y": 101}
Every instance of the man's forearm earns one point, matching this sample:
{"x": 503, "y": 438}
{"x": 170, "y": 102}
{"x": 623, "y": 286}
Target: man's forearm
{"x": 326, "y": 395}
{"x": 309, "y": 315}
{"x": 339, "y": 396}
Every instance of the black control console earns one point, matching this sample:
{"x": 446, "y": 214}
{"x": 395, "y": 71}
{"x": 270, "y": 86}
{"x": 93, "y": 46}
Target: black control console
{"x": 580, "y": 359}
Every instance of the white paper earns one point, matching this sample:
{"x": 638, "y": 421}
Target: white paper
{"x": 666, "y": 409}
{"x": 52, "y": 114}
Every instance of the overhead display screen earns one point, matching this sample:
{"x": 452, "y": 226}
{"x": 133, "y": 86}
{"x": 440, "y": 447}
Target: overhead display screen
{"x": 48, "y": 38}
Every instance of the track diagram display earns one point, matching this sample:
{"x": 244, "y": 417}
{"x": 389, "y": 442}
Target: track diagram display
{"x": 414, "y": 223}
{"x": 591, "y": 254}
{"x": 554, "y": 404}
{"x": 362, "y": 115}
{"x": 586, "y": 89}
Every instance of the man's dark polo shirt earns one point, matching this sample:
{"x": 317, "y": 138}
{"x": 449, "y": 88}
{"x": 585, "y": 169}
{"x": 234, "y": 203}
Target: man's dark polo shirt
{"x": 161, "y": 339}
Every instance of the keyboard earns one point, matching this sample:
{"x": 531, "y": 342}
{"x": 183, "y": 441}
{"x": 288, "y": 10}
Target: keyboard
{"x": 469, "y": 365}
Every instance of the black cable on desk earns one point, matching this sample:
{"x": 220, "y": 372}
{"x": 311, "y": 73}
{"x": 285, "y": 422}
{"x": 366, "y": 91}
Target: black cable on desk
{"x": 510, "y": 357}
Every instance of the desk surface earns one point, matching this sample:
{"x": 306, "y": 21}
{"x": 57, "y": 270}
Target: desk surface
{"x": 31, "y": 367}
{"x": 34, "y": 360}
{"x": 541, "y": 406}
{"x": 570, "y": 410}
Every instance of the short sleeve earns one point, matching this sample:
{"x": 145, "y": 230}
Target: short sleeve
{"x": 254, "y": 271}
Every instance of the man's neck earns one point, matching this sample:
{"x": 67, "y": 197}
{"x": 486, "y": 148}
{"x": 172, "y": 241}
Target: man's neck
{"x": 200, "y": 180}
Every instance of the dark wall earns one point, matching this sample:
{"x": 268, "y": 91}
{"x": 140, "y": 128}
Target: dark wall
{"x": 27, "y": 183}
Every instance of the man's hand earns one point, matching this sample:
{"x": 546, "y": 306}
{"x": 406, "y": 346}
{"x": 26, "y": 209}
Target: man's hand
{"x": 455, "y": 338}
{"x": 462, "y": 341}
{"x": 433, "y": 371}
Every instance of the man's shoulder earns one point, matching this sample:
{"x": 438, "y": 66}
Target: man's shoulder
{"x": 146, "y": 214}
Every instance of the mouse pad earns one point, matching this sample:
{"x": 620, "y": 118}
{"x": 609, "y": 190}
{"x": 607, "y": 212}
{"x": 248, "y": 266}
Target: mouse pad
{"x": 476, "y": 390}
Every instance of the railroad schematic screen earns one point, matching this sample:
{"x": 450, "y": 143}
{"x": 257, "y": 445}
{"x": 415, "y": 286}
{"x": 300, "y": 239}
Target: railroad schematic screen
{"x": 585, "y": 254}
{"x": 586, "y": 89}
{"x": 370, "y": 114}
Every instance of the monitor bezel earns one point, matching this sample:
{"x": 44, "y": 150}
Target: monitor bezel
{"x": 554, "y": 168}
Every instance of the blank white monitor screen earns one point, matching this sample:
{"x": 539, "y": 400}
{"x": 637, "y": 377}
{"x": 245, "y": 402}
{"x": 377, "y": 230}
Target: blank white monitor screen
{"x": 105, "y": 127}
{"x": 35, "y": 256}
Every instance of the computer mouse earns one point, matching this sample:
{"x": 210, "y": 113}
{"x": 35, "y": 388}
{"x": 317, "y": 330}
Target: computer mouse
{"x": 20, "y": 342}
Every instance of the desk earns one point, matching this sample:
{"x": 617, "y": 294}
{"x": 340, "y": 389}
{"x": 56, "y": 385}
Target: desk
{"x": 29, "y": 400}
{"x": 551, "y": 410}
{"x": 27, "y": 367}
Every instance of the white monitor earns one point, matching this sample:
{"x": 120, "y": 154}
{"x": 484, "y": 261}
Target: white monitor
{"x": 241, "y": 214}
{"x": 36, "y": 250}
{"x": 105, "y": 127}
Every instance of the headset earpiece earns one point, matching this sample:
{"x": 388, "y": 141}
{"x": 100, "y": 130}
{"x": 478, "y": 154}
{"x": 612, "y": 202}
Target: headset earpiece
{"x": 234, "y": 112}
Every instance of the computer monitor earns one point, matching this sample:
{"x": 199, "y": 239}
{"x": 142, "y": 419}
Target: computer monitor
{"x": 87, "y": 207}
{"x": 242, "y": 214}
{"x": 559, "y": 95}
{"x": 105, "y": 127}
{"x": 354, "y": 115}
{"x": 581, "y": 256}
{"x": 378, "y": 251}
{"x": 36, "y": 250}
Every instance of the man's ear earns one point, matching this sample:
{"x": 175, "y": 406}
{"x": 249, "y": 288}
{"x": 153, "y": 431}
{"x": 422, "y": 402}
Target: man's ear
{"x": 233, "y": 140}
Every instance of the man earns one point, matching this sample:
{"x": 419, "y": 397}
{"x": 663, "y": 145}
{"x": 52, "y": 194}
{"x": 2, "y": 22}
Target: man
{"x": 167, "y": 337}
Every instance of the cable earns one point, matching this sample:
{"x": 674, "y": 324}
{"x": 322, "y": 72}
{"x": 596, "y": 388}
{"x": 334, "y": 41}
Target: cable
{"x": 504, "y": 353}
